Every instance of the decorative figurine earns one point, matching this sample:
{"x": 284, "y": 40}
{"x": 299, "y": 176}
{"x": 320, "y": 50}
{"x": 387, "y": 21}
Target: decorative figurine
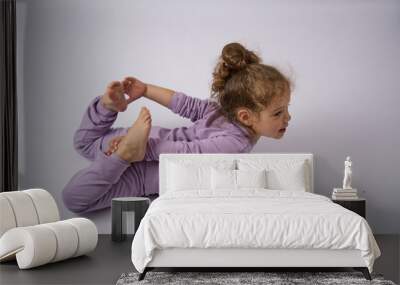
{"x": 347, "y": 174}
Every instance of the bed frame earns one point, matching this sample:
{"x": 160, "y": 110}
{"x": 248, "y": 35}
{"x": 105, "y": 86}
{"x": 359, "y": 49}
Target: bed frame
{"x": 239, "y": 259}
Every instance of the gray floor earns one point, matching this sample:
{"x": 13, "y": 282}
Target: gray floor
{"x": 111, "y": 259}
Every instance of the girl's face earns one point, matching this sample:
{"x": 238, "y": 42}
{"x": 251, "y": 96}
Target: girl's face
{"x": 272, "y": 121}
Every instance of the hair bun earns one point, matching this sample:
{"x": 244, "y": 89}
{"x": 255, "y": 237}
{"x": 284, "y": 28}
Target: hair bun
{"x": 235, "y": 56}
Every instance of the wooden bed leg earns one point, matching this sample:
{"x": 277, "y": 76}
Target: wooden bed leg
{"x": 364, "y": 271}
{"x": 143, "y": 274}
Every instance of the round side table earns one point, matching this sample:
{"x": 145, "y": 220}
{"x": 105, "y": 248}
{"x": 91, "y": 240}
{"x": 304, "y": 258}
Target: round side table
{"x": 122, "y": 206}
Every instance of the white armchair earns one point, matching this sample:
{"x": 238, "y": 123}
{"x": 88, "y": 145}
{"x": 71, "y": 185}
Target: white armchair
{"x": 32, "y": 233}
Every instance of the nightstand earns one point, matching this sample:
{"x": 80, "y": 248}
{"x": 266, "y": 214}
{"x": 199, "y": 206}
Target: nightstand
{"x": 356, "y": 205}
{"x": 127, "y": 212}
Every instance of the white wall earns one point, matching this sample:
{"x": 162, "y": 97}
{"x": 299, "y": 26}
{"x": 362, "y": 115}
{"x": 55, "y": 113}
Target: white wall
{"x": 343, "y": 56}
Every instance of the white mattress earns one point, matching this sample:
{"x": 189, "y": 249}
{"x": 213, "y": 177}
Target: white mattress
{"x": 251, "y": 218}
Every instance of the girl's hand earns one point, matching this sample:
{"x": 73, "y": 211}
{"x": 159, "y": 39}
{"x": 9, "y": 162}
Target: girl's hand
{"x": 134, "y": 88}
{"x": 114, "y": 98}
{"x": 113, "y": 145}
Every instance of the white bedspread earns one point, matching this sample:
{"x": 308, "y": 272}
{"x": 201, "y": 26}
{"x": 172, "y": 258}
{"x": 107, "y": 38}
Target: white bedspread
{"x": 251, "y": 218}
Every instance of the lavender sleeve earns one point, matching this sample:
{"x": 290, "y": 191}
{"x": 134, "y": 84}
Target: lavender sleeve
{"x": 95, "y": 130}
{"x": 219, "y": 144}
{"x": 189, "y": 107}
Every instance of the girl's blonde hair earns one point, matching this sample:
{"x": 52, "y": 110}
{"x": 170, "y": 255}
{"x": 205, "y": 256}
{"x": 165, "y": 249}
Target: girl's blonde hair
{"x": 241, "y": 80}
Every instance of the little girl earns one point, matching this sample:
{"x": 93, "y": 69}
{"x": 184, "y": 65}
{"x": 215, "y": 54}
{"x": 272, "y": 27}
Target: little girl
{"x": 252, "y": 100}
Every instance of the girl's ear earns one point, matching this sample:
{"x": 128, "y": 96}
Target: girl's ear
{"x": 244, "y": 116}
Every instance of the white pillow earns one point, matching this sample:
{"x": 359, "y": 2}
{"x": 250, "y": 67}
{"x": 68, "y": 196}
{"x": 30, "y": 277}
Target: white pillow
{"x": 229, "y": 179}
{"x": 251, "y": 178}
{"x": 188, "y": 175}
{"x": 223, "y": 179}
{"x": 282, "y": 174}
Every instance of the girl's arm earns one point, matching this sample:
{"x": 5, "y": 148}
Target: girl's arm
{"x": 160, "y": 95}
{"x": 219, "y": 144}
{"x": 186, "y": 106}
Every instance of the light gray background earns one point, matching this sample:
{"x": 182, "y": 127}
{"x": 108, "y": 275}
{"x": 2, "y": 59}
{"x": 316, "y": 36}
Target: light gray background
{"x": 344, "y": 57}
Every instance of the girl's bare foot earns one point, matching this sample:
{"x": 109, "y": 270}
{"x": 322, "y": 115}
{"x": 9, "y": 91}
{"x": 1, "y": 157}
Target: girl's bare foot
{"x": 114, "y": 98}
{"x": 132, "y": 147}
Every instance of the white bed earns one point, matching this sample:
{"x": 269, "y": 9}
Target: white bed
{"x": 204, "y": 221}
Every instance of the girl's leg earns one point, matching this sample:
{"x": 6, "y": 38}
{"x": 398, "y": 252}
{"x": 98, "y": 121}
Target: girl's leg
{"x": 95, "y": 129}
{"x": 92, "y": 188}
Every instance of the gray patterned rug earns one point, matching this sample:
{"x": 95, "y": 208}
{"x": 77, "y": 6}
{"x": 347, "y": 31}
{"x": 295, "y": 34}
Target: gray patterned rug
{"x": 230, "y": 278}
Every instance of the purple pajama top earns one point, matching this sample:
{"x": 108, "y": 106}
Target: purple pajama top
{"x": 211, "y": 132}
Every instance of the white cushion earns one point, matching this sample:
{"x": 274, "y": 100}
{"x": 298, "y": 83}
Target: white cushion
{"x": 223, "y": 179}
{"x": 251, "y": 178}
{"x": 282, "y": 174}
{"x": 45, "y": 243}
{"x": 23, "y": 208}
{"x": 66, "y": 237}
{"x": 30, "y": 230}
{"x": 26, "y": 208}
{"x": 87, "y": 233}
{"x": 227, "y": 179}
{"x": 7, "y": 218}
{"x": 45, "y": 205}
{"x": 186, "y": 175}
